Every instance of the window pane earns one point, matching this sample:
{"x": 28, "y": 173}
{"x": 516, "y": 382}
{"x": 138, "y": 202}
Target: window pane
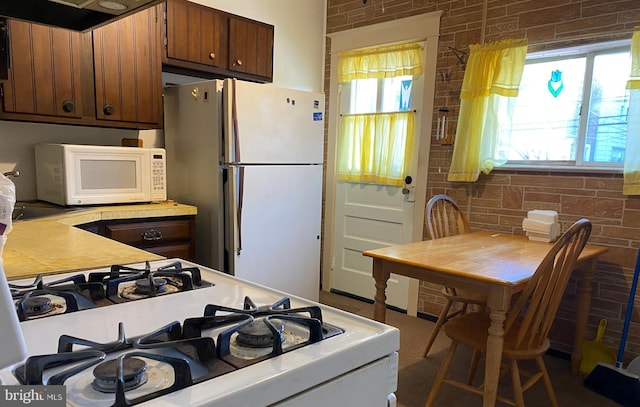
{"x": 542, "y": 123}
{"x": 606, "y": 134}
{"x": 396, "y": 94}
{"x": 364, "y": 93}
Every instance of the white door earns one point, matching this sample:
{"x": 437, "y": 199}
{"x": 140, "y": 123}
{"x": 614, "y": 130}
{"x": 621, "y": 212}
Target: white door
{"x": 370, "y": 217}
{"x": 362, "y": 217}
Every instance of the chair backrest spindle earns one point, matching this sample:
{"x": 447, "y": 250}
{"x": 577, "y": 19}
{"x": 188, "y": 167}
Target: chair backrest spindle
{"x": 537, "y": 305}
{"x": 444, "y": 218}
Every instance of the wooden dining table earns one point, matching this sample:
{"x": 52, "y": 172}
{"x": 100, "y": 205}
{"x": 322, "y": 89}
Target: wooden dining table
{"x": 497, "y": 264}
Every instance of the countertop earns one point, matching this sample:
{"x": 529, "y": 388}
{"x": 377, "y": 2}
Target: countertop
{"x": 53, "y": 245}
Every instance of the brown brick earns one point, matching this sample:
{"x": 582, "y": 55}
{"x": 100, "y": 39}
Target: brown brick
{"x": 556, "y": 14}
{"x": 534, "y": 196}
{"x": 512, "y": 197}
{"x": 632, "y": 219}
{"x": 583, "y": 206}
{"x": 547, "y": 181}
{"x": 586, "y": 24}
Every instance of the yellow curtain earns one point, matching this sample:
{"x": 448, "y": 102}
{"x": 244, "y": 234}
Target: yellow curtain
{"x": 632, "y": 152}
{"x": 381, "y": 62}
{"x": 492, "y": 74}
{"x": 373, "y": 147}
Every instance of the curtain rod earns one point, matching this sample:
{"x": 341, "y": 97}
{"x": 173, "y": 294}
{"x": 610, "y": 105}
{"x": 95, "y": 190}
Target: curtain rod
{"x": 399, "y": 111}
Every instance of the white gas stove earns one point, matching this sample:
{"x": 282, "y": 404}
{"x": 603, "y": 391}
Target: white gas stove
{"x": 226, "y": 342}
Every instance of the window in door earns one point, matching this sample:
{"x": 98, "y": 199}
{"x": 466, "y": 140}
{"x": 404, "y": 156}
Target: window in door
{"x": 377, "y": 123}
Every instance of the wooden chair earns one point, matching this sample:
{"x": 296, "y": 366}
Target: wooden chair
{"x": 527, "y": 323}
{"x": 444, "y": 218}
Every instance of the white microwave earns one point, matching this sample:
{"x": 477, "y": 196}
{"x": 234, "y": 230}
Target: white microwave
{"x": 69, "y": 174}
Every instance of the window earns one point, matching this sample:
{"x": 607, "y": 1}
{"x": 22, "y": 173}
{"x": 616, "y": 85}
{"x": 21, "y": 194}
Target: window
{"x": 571, "y": 110}
{"x": 377, "y": 126}
{"x": 378, "y": 95}
{"x": 376, "y": 130}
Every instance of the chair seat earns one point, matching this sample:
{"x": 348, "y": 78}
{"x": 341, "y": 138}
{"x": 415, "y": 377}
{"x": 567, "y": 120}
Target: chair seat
{"x": 472, "y": 330}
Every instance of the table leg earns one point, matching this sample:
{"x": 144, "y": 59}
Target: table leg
{"x": 381, "y": 276}
{"x": 582, "y": 312}
{"x": 495, "y": 342}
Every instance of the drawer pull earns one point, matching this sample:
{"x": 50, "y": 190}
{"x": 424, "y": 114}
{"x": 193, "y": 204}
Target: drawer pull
{"x": 151, "y": 234}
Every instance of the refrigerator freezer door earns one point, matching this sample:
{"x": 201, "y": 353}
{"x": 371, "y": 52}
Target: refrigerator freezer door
{"x": 274, "y": 125}
{"x": 279, "y": 227}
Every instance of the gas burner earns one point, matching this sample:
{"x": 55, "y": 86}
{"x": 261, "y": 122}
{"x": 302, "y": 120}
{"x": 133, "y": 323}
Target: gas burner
{"x": 37, "y": 300}
{"x": 125, "y": 283}
{"x": 106, "y": 375}
{"x": 259, "y": 335}
{"x": 148, "y": 286}
{"x": 37, "y": 306}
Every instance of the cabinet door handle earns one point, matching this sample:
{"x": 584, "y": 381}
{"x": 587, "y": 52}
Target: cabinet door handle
{"x": 239, "y": 62}
{"x": 68, "y": 106}
{"x": 212, "y": 55}
{"x": 108, "y": 109}
{"x": 151, "y": 234}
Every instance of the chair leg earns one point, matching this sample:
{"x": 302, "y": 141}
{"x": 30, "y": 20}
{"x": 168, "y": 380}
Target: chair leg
{"x": 444, "y": 368}
{"x": 442, "y": 318}
{"x": 475, "y": 359}
{"x": 517, "y": 384}
{"x": 547, "y": 381}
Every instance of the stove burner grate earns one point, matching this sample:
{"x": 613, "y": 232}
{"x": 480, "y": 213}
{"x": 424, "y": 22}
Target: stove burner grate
{"x": 61, "y": 296}
{"x": 125, "y": 283}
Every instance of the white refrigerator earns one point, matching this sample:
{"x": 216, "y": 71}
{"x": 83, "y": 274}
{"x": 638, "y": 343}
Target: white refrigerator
{"x": 249, "y": 157}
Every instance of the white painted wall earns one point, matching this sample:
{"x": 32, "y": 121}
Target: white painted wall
{"x": 299, "y": 46}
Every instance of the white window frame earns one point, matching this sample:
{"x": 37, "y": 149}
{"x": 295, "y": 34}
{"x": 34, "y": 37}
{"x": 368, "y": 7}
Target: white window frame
{"x": 588, "y": 51}
{"x": 347, "y": 98}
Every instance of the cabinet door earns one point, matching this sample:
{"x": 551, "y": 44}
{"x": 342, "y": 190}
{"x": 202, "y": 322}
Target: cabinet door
{"x": 196, "y": 34}
{"x": 128, "y": 70}
{"x": 251, "y": 47}
{"x": 44, "y": 71}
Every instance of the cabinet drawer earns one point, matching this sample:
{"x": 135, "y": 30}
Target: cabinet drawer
{"x": 180, "y": 251}
{"x": 149, "y": 233}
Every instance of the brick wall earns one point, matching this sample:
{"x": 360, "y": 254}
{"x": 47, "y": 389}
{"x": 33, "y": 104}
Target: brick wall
{"x": 500, "y": 201}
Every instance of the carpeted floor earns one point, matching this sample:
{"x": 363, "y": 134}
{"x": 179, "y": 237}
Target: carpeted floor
{"x": 416, "y": 374}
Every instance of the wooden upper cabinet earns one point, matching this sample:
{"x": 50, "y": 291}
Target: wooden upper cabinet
{"x": 251, "y": 47}
{"x": 128, "y": 69}
{"x": 202, "y": 41}
{"x": 196, "y": 33}
{"x": 44, "y": 71}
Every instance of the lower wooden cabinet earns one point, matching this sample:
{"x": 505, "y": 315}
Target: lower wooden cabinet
{"x": 168, "y": 237}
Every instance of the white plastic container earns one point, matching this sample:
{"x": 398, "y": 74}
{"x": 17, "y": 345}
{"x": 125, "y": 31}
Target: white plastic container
{"x": 12, "y": 346}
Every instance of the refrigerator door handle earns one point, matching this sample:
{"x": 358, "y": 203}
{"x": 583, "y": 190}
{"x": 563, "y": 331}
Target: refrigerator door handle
{"x": 234, "y": 118}
{"x": 236, "y": 158}
{"x": 239, "y": 207}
